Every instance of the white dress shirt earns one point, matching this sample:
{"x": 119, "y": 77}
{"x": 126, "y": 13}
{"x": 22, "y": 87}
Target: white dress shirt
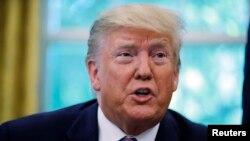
{"x": 110, "y": 132}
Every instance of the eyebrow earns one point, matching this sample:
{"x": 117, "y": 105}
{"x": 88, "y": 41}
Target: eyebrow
{"x": 162, "y": 43}
{"x": 159, "y": 43}
{"x": 126, "y": 44}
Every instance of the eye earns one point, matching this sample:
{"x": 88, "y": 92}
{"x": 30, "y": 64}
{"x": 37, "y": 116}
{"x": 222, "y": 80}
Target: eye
{"x": 160, "y": 57}
{"x": 124, "y": 57}
{"x": 160, "y": 54}
{"x": 125, "y": 54}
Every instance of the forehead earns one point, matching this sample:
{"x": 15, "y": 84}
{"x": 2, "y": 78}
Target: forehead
{"x": 134, "y": 36}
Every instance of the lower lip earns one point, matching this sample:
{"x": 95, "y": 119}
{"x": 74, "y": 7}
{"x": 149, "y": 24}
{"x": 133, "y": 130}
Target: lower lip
{"x": 141, "y": 98}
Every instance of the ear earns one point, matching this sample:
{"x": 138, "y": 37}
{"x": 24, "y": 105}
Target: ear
{"x": 176, "y": 79}
{"x": 93, "y": 74}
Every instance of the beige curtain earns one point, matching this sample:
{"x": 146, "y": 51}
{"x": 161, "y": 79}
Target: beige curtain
{"x": 19, "y": 57}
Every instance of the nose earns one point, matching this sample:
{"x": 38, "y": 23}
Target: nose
{"x": 143, "y": 68}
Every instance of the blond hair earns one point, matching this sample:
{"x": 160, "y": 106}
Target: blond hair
{"x": 150, "y": 17}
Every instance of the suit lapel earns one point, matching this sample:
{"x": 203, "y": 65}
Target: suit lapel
{"x": 168, "y": 130}
{"x": 85, "y": 128}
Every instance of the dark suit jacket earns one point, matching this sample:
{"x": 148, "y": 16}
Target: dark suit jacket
{"x": 79, "y": 123}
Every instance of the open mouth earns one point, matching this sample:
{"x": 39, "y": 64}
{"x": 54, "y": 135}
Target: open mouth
{"x": 142, "y": 92}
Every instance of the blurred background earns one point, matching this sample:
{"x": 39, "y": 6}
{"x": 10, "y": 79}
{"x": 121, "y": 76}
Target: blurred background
{"x": 43, "y": 47}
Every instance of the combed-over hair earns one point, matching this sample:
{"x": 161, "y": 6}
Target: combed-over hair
{"x": 144, "y": 16}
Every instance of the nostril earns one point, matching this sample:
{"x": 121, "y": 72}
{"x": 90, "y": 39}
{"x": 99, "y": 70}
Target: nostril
{"x": 143, "y": 77}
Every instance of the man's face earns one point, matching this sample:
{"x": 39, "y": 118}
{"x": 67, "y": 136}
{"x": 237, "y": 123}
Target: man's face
{"x": 134, "y": 75}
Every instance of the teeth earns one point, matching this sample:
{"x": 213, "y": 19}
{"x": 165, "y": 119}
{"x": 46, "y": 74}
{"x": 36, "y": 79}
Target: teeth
{"x": 142, "y": 92}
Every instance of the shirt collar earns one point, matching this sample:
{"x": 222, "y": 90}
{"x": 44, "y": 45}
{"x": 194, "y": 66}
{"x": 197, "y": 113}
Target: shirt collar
{"x": 109, "y": 131}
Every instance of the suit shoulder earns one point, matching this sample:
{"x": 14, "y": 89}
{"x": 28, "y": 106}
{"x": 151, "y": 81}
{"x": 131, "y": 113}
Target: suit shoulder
{"x": 184, "y": 121}
{"x": 59, "y": 120}
{"x": 63, "y": 114}
{"x": 187, "y": 128}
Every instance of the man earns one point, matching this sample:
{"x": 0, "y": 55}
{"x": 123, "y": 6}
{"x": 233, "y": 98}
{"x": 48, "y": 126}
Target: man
{"x": 133, "y": 63}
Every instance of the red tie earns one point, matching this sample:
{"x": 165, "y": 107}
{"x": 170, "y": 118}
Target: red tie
{"x": 128, "y": 139}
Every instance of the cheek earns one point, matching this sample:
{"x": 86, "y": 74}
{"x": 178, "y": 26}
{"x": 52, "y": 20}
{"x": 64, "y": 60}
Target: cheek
{"x": 118, "y": 74}
{"x": 114, "y": 80}
{"x": 114, "y": 85}
{"x": 166, "y": 80}
{"x": 166, "y": 83}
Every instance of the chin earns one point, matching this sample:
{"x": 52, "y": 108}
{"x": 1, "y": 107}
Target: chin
{"x": 145, "y": 115}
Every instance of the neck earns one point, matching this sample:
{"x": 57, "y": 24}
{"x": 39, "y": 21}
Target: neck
{"x": 133, "y": 127}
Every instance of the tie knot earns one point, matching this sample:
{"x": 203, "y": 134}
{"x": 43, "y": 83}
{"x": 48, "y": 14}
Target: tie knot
{"x": 126, "y": 138}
